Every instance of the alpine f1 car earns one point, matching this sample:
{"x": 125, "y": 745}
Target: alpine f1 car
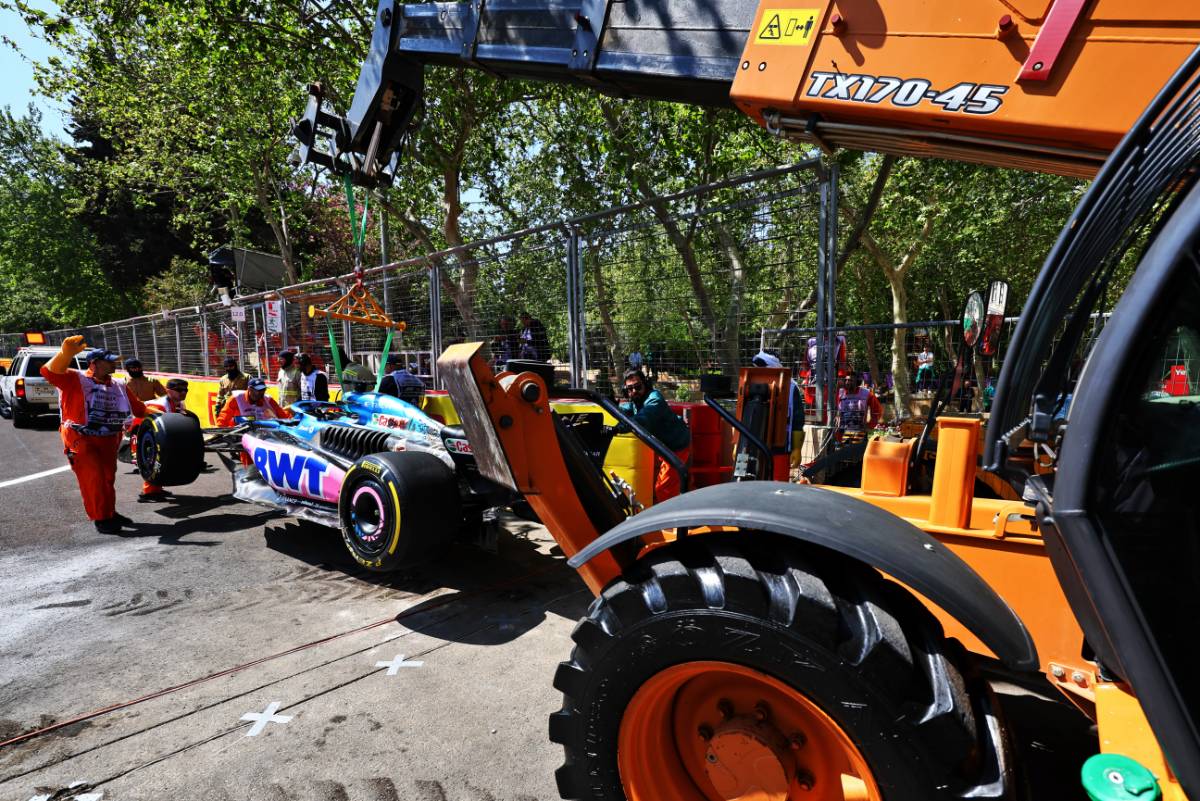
{"x": 397, "y": 483}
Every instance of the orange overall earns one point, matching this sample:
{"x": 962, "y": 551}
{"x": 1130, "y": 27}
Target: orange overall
{"x": 240, "y": 405}
{"x": 93, "y": 456}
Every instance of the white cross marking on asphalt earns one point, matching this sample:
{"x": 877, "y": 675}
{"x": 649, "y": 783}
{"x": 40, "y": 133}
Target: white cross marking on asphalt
{"x": 261, "y": 719}
{"x": 33, "y": 476}
{"x": 394, "y": 666}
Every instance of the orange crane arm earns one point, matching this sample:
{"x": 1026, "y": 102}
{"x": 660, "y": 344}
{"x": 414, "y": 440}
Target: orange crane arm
{"x": 1047, "y": 85}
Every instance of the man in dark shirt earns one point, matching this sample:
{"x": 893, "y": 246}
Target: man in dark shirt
{"x": 534, "y": 343}
{"x": 650, "y": 410}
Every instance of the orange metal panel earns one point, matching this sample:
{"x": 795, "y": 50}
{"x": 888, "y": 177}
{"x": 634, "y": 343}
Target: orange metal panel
{"x": 1125, "y": 730}
{"x": 778, "y": 383}
{"x": 954, "y": 471}
{"x": 947, "y": 66}
{"x": 525, "y": 429}
{"x": 885, "y": 467}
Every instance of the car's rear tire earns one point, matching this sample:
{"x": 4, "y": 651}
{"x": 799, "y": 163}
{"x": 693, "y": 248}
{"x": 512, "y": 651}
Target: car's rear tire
{"x": 750, "y": 661}
{"x": 170, "y": 449}
{"x": 398, "y": 509}
{"x": 21, "y": 419}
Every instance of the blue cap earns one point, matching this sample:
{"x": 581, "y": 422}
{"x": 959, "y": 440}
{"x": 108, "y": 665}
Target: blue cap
{"x": 256, "y": 383}
{"x": 92, "y": 355}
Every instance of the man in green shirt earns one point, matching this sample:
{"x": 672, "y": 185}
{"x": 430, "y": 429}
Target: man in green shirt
{"x": 649, "y": 409}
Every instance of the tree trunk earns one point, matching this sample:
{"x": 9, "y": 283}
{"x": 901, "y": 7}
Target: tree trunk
{"x": 612, "y": 339}
{"x": 731, "y": 337}
{"x": 900, "y": 378}
{"x": 873, "y": 358}
{"x": 266, "y": 198}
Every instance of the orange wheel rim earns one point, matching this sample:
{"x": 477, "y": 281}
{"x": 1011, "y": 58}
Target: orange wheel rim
{"x": 716, "y": 731}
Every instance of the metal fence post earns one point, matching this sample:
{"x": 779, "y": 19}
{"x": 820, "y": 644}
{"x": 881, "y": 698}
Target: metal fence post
{"x": 830, "y": 268}
{"x": 154, "y": 342}
{"x": 576, "y": 324}
{"x": 239, "y": 332}
{"x": 435, "y": 320}
{"x": 178, "y": 348}
{"x": 133, "y": 337}
{"x": 283, "y": 326}
{"x": 204, "y": 342}
{"x": 823, "y": 361}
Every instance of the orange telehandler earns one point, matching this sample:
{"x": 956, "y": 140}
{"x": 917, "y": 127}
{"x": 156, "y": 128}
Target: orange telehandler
{"x": 767, "y": 640}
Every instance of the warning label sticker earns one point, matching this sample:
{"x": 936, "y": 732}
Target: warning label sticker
{"x": 786, "y": 26}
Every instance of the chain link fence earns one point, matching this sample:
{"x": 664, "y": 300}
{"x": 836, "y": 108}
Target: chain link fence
{"x": 682, "y": 284}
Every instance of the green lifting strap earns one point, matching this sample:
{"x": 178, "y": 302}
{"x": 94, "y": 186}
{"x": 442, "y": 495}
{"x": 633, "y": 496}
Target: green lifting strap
{"x": 333, "y": 351}
{"x": 387, "y": 348}
{"x": 362, "y": 225}
{"x": 350, "y": 205}
{"x": 358, "y": 227}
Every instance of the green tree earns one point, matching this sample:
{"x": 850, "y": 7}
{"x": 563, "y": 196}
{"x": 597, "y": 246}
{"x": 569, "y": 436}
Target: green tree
{"x": 49, "y": 275}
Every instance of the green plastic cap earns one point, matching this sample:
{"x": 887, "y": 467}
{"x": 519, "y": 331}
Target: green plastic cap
{"x": 1112, "y": 777}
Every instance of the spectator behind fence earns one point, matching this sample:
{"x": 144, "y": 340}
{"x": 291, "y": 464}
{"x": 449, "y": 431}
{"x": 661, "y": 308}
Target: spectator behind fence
{"x": 535, "y": 345}
{"x": 505, "y": 345}
{"x": 649, "y": 409}
{"x": 858, "y": 408}
{"x": 924, "y": 368}
{"x": 314, "y": 384}
{"x": 966, "y": 395}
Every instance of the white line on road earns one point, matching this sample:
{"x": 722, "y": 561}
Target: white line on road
{"x": 34, "y": 476}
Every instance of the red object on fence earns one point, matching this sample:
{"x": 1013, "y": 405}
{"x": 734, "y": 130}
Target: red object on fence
{"x": 1177, "y": 382}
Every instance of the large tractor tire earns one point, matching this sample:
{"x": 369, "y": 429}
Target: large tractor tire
{"x": 748, "y": 666}
{"x": 398, "y": 509}
{"x": 170, "y": 449}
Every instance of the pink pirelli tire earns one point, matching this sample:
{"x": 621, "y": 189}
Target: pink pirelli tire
{"x": 398, "y": 510}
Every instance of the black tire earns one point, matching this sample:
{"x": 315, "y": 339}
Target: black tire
{"x": 857, "y": 646}
{"x": 170, "y": 449}
{"x": 398, "y": 509}
{"x": 21, "y": 419}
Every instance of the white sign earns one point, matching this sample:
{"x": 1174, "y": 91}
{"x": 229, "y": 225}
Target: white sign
{"x": 239, "y": 314}
{"x": 274, "y": 316}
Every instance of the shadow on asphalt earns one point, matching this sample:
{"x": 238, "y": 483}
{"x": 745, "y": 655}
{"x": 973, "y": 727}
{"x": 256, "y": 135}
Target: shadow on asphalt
{"x": 497, "y": 596}
{"x": 173, "y": 533}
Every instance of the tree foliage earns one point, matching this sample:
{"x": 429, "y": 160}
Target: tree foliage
{"x": 49, "y": 273}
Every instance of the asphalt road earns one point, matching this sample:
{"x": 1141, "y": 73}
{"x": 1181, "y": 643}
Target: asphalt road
{"x": 213, "y": 610}
{"x": 209, "y": 586}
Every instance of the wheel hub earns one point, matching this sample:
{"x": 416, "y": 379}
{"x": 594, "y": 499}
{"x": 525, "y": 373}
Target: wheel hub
{"x": 748, "y": 758}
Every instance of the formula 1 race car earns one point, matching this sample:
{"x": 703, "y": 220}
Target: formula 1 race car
{"x": 397, "y": 483}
